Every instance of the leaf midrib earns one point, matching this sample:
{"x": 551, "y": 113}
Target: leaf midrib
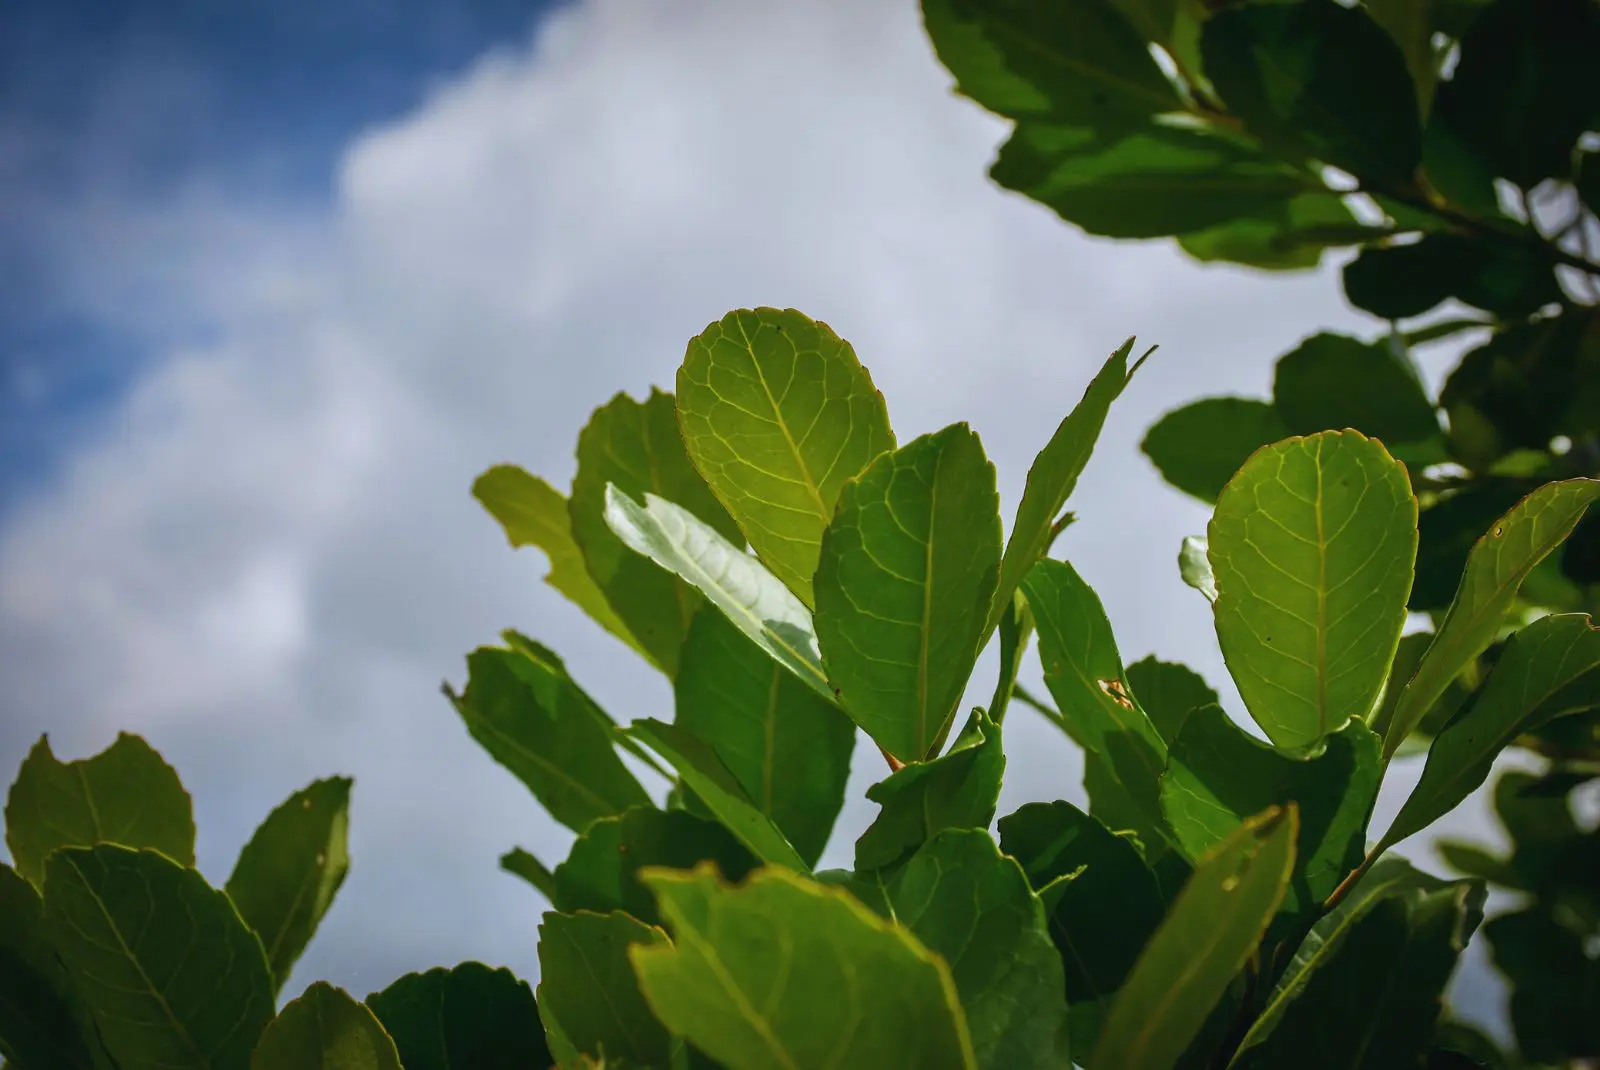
{"x": 779, "y": 419}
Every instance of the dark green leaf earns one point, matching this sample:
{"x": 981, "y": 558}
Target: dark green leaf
{"x": 1016, "y": 628}
{"x": 637, "y": 448}
{"x": 171, "y": 975}
{"x": 1556, "y": 986}
{"x": 1199, "y": 447}
{"x": 601, "y": 873}
{"x": 904, "y": 586}
{"x": 126, "y": 794}
{"x": 973, "y": 907}
{"x": 1168, "y": 692}
{"x": 1318, "y": 79}
{"x": 325, "y": 1030}
{"x": 1217, "y": 775}
{"x": 288, "y": 873}
{"x": 1407, "y": 656}
{"x": 1499, "y": 562}
{"x": 1053, "y": 477}
{"x": 521, "y": 863}
{"x": 588, "y": 990}
{"x": 705, "y": 774}
{"x": 1291, "y": 235}
{"x": 39, "y": 1028}
{"x": 533, "y": 513}
{"x": 1312, "y": 545}
{"x": 1446, "y": 533}
{"x": 785, "y": 972}
{"x": 1401, "y": 281}
{"x": 468, "y": 1018}
{"x": 1151, "y": 183}
{"x": 1086, "y": 874}
{"x": 1332, "y": 381}
{"x": 785, "y": 745}
{"x": 532, "y": 719}
{"x": 1588, "y": 180}
{"x": 958, "y": 789}
{"x": 1530, "y": 383}
{"x": 1191, "y": 960}
{"x": 1549, "y": 668}
{"x": 1081, "y": 64}
{"x": 1411, "y": 25}
{"x": 777, "y": 413}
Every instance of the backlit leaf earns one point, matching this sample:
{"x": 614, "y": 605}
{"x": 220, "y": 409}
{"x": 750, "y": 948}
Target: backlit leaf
{"x": 325, "y": 1030}
{"x": 588, "y": 990}
{"x": 1194, "y": 566}
{"x": 777, "y": 414}
{"x": 1199, "y": 447}
{"x": 1332, "y": 381}
{"x": 1312, "y": 545}
{"x": 38, "y": 1024}
{"x": 1289, "y": 235}
{"x": 469, "y": 1018}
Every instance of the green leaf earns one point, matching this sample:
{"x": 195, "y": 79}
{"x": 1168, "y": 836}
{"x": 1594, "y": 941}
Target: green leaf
{"x": 786, "y": 746}
{"x": 532, "y": 719}
{"x": 1217, "y": 775}
{"x": 785, "y": 972}
{"x": 1588, "y": 180}
{"x": 973, "y": 907}
{"x": 602, "y": 871}
{"x": 1016, "y": 628}
{"x": 1053, "y": 477}
{"x": 533, "y": 513}
{"x": 1194, "y": 566}
{"x": 1318, "y": 79}
{"x": 1082, "y": 64}
{"x": 126, "y": 794}
{"x": 325, "y": 1030}
{"x": 468, "y": 1018}
{"x": 1401, "y": 281}
{"x": 289, "y": 872}
{"x": 1499, "y": 562}
{"x": 1555, "y": 985}
{"x": 588, "y": 989}
{"x": 777, "y": 413}
{"x": 1312, "y": 545}
{"x": 1549, "y": 668}
{"x": 637, "y": 447}
{"x": 1199, "y": 447}
{"x": 736, "y": 583}
{"x": 958, "y": 789}
{"x": 1189, "y": 963}
{"x": 1084, "y": 673}
{"x": 39, "y": 1027}
{"x": 1151, "y": 183}
{"x": 1383, "y": 986}
{"x": 1086, "y": 874}
{"x": 1290, "y": 235}
{"x": 521, "y": 863}
{"x": 1410, "y": 24}
{"x": 1407, "y": 656}
{"x": 1332, "y": 381}
{"x": 706, "y": 775}
{"x": 905, "y": 583}
{"x": 1168, "y": 692}
{"x": 171, "y": 975}
{"x": 1446, "y": 533}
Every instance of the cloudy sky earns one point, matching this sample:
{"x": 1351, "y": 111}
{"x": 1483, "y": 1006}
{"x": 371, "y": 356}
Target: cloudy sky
{"x": 275, "y": 287}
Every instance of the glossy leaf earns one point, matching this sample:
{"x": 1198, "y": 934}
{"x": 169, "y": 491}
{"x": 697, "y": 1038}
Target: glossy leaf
{"x": 1549, "y": 668}
{"x": 1318, "y": 79}
{"x": 171, "y": 975}
{"x": 1194, "y": 566}
{"x": 126, "y": 794}
{"x": 904, "y": 586}
{"x": 760, "y": 606}
{"x": 706, "y": 775}
{"x": 1086, "y": 874}
{"x": 1496, "y": 568}
{"x": 972, "y": 906}
{"x": 468, "y": 1018}
{"x": 777, "y": 414}
{"x": 958, "y": 789}
{"x": 1290, "y": 235}
{"x": 749, "y": 967}
{"x": 602, "y": 871}
{"x": 1207, "y": 936}
{"x": 1312, "y": 545}
{"x": 533, "y": 513}
{"x": 786, "y": 746}
{"x": 39, "y": 1026}
{"x": 1053, "y": 477}
{"x": 589, "y": 992}
{"x": 325, "y": 1030}
{"x": 289, "y": 872}
{"x": 637, "y": 448}
{"x": 532, "y": 719}
{"x": 1218, "y": 775}
{"x": 1200, "y": 446}
{"x": 1332, "y": 381}
{"x": 1401, "y": 281}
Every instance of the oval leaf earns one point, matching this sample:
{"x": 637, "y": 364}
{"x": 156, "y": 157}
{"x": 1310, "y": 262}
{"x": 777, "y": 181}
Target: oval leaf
{"x": 469, "y": 1018}
{"x": 588, "y": 993}
{"x": 1331, "y": 381}
{"x": 325, "y": 1030}
{"x": 1199, "y": 447}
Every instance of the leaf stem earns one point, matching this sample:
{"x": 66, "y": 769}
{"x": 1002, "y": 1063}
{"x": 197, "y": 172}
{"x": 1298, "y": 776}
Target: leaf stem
{"x": 1027, "y": 698}
{"x": 1353, "y": 878}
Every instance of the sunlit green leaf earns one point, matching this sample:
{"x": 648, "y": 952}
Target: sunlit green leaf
{"x": 589, "y": 992}
{"x": 468, "y": 1018}
{"x": 1290, "y": 235}
{"x": 38, "y": 1024}
{"x": 1312, "y": 545}
{"x": 777, "y": 413}
{"x": 905, "y": 583}
{"x": 325, "y": 1029}
{"x": 522, "y": 863}
{"x": 1016, "y": 628}
{"x": 1200, "y": 446}
{"x": 785, "y": 972}
{"x": 1446, "y": 533}
{"x": 1332, "y": 381}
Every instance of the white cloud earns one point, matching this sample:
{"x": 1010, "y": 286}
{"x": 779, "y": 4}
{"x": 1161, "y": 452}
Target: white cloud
{"x": 270, "y": 558}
